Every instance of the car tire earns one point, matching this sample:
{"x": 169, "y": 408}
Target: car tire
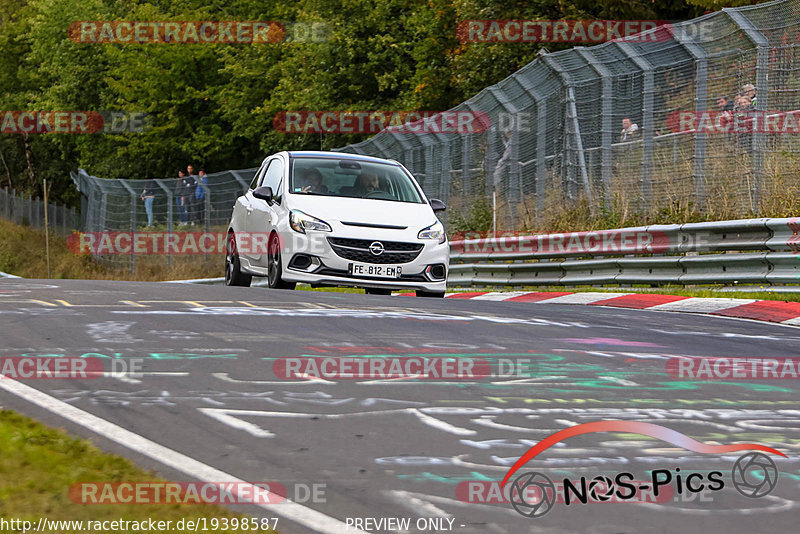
{"x": 377, "y": 291}
{"x": 274, "y": 269}
{"x": 430, "y": 294}
{"x": 233, "y": 267}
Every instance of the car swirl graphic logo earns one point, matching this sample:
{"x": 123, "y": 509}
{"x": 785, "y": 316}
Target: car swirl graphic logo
{"x": 754, "y": 475}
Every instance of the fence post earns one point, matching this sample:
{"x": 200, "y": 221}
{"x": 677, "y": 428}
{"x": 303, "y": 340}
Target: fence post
{"x": 207, "y": 209}
{"x": 607, "y": 128}
{"x": 648, "y": 128}
{"x": 168, "y": 192}
{"x": 573, "y": 111}
{"x": 6, "y": 200}
{"x": 245, "y": 185}
{"x": 133, "y": 223}
{"x": 444, "y": 183}
{"x": 762, "y": 69}
{"x": 701, "y": 105}
{"x": 541, "y": 143}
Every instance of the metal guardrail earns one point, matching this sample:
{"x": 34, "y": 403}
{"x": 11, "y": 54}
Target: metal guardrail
{"x": 754, "y": 251}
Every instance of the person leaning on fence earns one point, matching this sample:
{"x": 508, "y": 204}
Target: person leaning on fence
{"x": 148, "y": 196}
{"x": 200, "y": 196}
{"x": 630, "y": 130}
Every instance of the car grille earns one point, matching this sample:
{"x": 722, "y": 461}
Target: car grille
{"x": 358, "y": 250}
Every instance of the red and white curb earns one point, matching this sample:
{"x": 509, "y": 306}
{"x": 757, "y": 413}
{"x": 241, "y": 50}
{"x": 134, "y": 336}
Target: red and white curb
{"x": 774, "y": 311}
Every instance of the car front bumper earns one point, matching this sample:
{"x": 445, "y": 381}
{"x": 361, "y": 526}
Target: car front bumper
{"x": 333, "y": 269}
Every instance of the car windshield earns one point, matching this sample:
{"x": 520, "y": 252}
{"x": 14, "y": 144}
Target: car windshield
{"x": 352, "y": 178}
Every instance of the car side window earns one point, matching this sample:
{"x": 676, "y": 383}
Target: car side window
{"x": 273, "y": 177}
{"x": 258, "y": 177}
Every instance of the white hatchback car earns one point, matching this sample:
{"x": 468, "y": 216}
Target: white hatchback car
{"x": 337, "y": 219}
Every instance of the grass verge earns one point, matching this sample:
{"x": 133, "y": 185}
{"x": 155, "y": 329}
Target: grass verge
{"x": 23, "y": 253}
{"x": 39, "y": 464}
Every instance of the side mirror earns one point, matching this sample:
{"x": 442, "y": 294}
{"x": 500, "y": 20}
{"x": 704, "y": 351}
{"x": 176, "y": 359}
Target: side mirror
{"x": 264, "y": 193}
{"x": 437, "y": 205}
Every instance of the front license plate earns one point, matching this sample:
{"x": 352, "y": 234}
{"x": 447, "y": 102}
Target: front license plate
{"x": 375, "y": 271}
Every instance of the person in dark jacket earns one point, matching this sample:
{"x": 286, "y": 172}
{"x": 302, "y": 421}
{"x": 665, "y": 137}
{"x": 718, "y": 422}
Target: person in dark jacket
{"x": 191, "y": 200}
{"x": 200, "y": 197}
{"x": 181, "y": 197}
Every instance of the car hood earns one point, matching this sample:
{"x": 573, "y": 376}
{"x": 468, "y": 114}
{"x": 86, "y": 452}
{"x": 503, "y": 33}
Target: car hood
{"x": 365, "y": 211}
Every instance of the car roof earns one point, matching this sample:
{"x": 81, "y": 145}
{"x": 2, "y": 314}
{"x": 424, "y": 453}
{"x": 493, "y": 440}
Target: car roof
{"x": 338, "y": 155}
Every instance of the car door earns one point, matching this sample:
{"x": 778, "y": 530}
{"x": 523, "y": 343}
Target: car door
{"x": 264, "y": 216}
{"x": 243, "y": 212}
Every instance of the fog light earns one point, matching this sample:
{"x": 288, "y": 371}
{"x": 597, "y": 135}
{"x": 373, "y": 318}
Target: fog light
{"x": 304, "y": 262}
{"x": 436, "y": 272}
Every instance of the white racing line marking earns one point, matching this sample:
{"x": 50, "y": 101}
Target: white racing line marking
{"x": 292, "y": 511}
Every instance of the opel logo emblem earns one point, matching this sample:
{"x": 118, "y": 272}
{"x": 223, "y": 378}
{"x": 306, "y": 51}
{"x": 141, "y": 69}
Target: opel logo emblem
{"x": 376, "y": 248}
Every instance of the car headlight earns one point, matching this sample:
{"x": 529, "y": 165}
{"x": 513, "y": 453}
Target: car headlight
{"x": 300, "y": 222}
{"x": 434, "y": 231}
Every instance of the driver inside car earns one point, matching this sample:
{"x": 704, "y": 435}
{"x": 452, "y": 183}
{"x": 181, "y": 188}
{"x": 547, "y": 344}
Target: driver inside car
{"x": 313, "y": 178}
{"x": 365, "y": 184}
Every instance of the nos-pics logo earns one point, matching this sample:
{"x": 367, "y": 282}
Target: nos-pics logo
{"x": 533, "y": 494}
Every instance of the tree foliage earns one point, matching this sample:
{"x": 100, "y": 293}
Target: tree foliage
{"x": 213, "y": 104}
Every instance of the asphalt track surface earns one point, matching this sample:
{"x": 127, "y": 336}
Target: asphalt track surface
{"x": 401, "y": 448}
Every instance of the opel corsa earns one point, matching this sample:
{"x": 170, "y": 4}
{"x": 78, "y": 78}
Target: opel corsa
{"x": 336, "y": 219}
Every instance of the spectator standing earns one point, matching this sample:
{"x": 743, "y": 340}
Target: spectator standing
{"x": 630, "y": 130}
{"x": 200, "y": 196}
{"x": 181, "y": 197}
{"x": 191, "y": 201}
{"x": 749, "y": 92}
{"x": 743, "y": 121}
{"x": 148, "y": 196}
{"x": 725, "y": 109}
{"x": 724, "y": 104}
